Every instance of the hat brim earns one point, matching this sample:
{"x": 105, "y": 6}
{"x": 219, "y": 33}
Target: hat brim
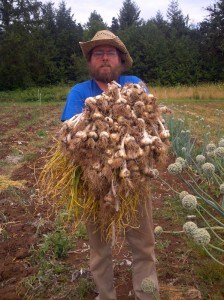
{"x": 87, "y": 47}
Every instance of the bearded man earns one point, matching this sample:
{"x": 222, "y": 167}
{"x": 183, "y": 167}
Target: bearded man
{"x": 107, "y": 58}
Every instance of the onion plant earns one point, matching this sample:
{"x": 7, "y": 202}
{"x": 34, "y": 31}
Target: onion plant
{"x": 200, "y": 165}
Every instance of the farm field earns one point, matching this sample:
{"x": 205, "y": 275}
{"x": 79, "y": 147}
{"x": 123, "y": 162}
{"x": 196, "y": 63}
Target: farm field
{"x": 40, "y": 259}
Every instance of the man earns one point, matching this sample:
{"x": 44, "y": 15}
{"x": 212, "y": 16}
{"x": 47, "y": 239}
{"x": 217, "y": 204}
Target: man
{"x": 107, "y": 57}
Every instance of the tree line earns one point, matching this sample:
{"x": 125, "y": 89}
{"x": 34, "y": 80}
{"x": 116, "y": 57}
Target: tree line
{"x": 39, "y": 44}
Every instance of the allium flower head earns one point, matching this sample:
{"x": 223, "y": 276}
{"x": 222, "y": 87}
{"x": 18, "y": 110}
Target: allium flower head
{"x": 221, "y": 142}
{"x": 175, "y": 168}
{"x": 200, "y": 159}
{"x": 148, "y": 286}
{"x": 219, "y": 152}
{"x": 210, "y": 147}
{"x": 221, "y": 188}
{"x": 201, "y": 236}
{"x": 183, "y": 194}
{"x": 183, "y": 149}
{"x": 189, "y": 228}
{"x": 210, "y": 154}
{"x": 158, "y": 230}
{"x": 182, "y": 161}
{"x": 189, "y": 202}
{"x": 208, "y": 168}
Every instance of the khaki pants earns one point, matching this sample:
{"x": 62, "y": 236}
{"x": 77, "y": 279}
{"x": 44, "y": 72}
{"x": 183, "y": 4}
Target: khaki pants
{"x": 141, "y": 242}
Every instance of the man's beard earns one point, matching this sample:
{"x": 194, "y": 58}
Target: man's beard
{"x": 112, "y": 74}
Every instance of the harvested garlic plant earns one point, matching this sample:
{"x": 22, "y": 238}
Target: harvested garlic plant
{"x": 117, "y": 142}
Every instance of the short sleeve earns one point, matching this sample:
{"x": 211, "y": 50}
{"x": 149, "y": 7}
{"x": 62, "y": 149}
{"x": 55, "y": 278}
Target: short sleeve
{"x": 74, "y": 104}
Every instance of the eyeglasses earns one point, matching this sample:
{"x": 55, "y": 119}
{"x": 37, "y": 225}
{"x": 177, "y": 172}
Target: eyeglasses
{"x": 100, "y": 54}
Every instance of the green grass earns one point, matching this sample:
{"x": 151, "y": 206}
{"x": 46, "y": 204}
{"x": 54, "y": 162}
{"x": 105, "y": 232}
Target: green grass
{"x": 38, "y": 95}
{"x": 49, "y": 280}
{"x": 162, "y": 244}
{"x": 81, "y": 232}
{"x": 55, "y": 244}
{"x": 52, "y": 273}
{"x": 180, "y": 93}
{"x": 171, "y": 211}
{"x": 83, "y": 287}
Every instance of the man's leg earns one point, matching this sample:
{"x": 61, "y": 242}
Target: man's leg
{"x": 101, "y": 264}
{"x": 141, "y": 242}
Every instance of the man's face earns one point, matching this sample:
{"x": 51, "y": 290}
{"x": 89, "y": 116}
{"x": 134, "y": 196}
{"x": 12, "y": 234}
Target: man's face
{"x": 105, "y": 63}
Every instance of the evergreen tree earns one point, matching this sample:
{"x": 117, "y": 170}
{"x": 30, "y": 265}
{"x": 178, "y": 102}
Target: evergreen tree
{"x": 212, "y": 42}
{"x": 177, "y": 21}
{"x": 49, "y": 19}
{"x": 115, "y": 25}
{"x": 17, "y": 47}
{"x": 147, "y": 46}
{"x": 160, "y": 22}
{"x": 28, "y": 13}
{"x": 94, "y": 24}
{"x": 129, "y": 15}
{"x": 39, "y": 44}
{"x": 7, "y": 14}
{"x": 67, "y": 38}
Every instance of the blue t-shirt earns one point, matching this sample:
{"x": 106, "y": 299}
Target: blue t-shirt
{"x": 76, "y": 98}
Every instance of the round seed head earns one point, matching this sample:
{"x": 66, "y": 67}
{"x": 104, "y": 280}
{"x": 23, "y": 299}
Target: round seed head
{"x": 189, "y": 202}
{"x": 201, "y": 236}
{"x": 175, "y": 168}
{"x": 148, "y": 286}
{"x": 221, "y": 188}
{"x": 208, "y": 169}
{"x": 210, "y": 154}
{"x": 219, "y": 152}
{"x": 183, "y": 194}
{"x": 221, "y": 142}
{"x": 210, "y": 147}
{"x": 200, "y": 159}
{"x": 181, "y": 161}
{"x": 158, "y": 230}
{"x": 189, "y": 228}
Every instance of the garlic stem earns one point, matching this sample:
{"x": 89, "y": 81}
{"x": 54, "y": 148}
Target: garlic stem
{"x": 124, "y": 171}
{"x": 164, "y": 133}
{"x": 117, "y": 204}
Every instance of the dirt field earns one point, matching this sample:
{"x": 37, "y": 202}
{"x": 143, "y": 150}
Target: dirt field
{"x": 27, "y": 133}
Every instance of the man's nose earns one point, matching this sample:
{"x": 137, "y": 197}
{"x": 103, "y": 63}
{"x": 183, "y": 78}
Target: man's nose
{"x": 105, "y": 55}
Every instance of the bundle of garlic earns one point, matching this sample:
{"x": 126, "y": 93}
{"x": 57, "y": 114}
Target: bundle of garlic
{"x": 111, "y": 150}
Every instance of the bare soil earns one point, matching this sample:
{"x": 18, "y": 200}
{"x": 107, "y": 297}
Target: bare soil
{"x": 21, "y": 211}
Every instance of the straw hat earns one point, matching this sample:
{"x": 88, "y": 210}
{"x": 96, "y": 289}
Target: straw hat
{"x": 105, "y": 37}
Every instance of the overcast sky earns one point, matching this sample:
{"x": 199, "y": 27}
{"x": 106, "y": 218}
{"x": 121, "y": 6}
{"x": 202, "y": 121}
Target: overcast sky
{"x": 108, "y": 9}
